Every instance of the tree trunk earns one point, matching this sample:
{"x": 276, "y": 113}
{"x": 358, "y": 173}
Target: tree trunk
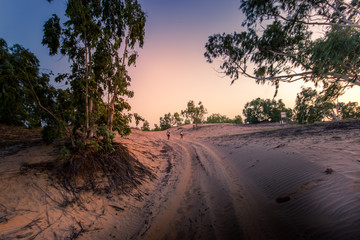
{"x": 86, "y": 91}
{"x": 90, "y": 101}
{"x": 112, "y": 103}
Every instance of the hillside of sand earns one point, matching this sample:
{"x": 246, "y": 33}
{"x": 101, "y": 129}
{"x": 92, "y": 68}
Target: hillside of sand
{"x": 221, "y": 181}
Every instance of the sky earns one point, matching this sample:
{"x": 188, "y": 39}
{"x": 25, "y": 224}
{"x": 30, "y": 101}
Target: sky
{"x": 171, "y": 68}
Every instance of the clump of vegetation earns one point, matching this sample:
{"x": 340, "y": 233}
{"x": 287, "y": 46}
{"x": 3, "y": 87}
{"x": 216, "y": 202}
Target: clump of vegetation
{"x": 265, "y": 110}
{"x": 311, "y": 106}
{"x": 280, "y": 44}
{"x": 99, "y": 38}
{"x": 218, "y": 118}
{"x": 192, "y": 114}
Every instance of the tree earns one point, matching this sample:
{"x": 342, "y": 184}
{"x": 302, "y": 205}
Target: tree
{"x": 265, "y": 110}
{"x": 169, "y": 120}
{"x": 238, "y": 119}
{"x": 194, "y": 113}
{"x": 26, "y": 96}
{"x": 177, "y": 119}
{"x": 218, "y": 118}
{"x": 351, "y": 110}
{"x": 310, "y": 106}
{"x": 92, "y": 37}
{"x": 14, "y": 63}
{"x": 138, "y": 119}
{"x": 341, "y": 110}
{"x": 146, "y": 126}
{"x": 280, "y": 44}
{"x": 156, "y": 128}
{"x": 166, "y": 121}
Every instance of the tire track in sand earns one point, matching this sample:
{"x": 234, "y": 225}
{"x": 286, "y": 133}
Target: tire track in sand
{"x": 210, "y": 200}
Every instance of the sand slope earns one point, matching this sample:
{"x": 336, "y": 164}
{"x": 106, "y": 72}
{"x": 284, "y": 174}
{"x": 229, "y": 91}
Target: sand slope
{"x": 221, "y": 181}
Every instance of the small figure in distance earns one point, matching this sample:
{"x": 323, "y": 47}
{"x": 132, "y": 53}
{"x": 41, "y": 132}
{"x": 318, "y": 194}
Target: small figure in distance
{"x": 168, "y": 134}
{"x": 181, "y": 134}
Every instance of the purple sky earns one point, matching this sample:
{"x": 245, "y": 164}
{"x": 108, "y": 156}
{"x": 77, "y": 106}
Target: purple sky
{"x": 171, "y": 69}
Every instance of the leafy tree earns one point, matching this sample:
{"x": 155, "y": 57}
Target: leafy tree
{"x": 310, "y": 106}
{"x": 177, "y": 119}
{"x": 146, "y": 126}
{"x": 218, "y": 118}
{"x": 156, "y": 128}
{"x": 170, "y": 120}
{"x": 351, "y": 110}
{"x": 13, "y": 85}
{"x": 27, "y": 97}
{"x": 92, "y": 37}
{"x": 138, "y": 119}
{"x": 21, "y": 86}
{"x": 341, "y": 110}
{"x": 238, "y": 119}
{"x": 280, "y": 44}
{"x": 194, "y": 113}
{"x": 265, "y": 110}
{"x": 166, "y": 121}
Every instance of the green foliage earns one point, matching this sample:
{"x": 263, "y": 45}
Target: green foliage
{"x": 92, "y": 36}
{"x": 194, "y": 113}
{"x": 121, "y": 123}
{"x": 351, "y": 110}
{"x": 23, "y": 90}
{"x": 138, "y": 119}
{"x": 177, "y": 119}
{"x": 51, "y": 132}
{"x": 279, "y": 44}
{"x": 64, "y": 153}
{"x": 146, "y": 126}
{"x": 170, "y": 120}
{"x": 265, "y": 110}
{"x": 310, "y": 106}
{"x": 238, "y": 119}
{"x": 15, "y": 96}
{"x": 157, "y": 128}
{"x": 218, "y": 118}
{"x": 107, "y": 138}
{"x": 166, "y": 121}
{"x": 52, "y": 31}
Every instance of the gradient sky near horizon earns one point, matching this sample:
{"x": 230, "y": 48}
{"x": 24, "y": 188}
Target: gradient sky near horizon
{"x": 171, "y": 68}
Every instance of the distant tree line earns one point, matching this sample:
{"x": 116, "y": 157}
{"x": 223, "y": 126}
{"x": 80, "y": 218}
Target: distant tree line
{"x": 193, "y": 114}
{"x": 310, "y": 107}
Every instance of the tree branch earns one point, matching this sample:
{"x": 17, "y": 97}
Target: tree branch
{"x": 350, "y": 24}
{"x": 47, "y": 110}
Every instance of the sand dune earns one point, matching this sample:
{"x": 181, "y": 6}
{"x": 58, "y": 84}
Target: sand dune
{"x": 221, "y": 181}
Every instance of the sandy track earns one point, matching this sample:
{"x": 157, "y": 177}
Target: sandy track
{"x": 227, "y": 188}
{"x": 210, "y": 200}
{"x": 200, "y": 205}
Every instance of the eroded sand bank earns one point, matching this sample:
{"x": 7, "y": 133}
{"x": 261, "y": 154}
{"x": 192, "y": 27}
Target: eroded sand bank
{"x": 219, "y": 182}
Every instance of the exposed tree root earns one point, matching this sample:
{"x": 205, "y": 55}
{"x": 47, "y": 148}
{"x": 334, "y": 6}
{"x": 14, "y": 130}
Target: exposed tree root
{"x": 97, "y": 171}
